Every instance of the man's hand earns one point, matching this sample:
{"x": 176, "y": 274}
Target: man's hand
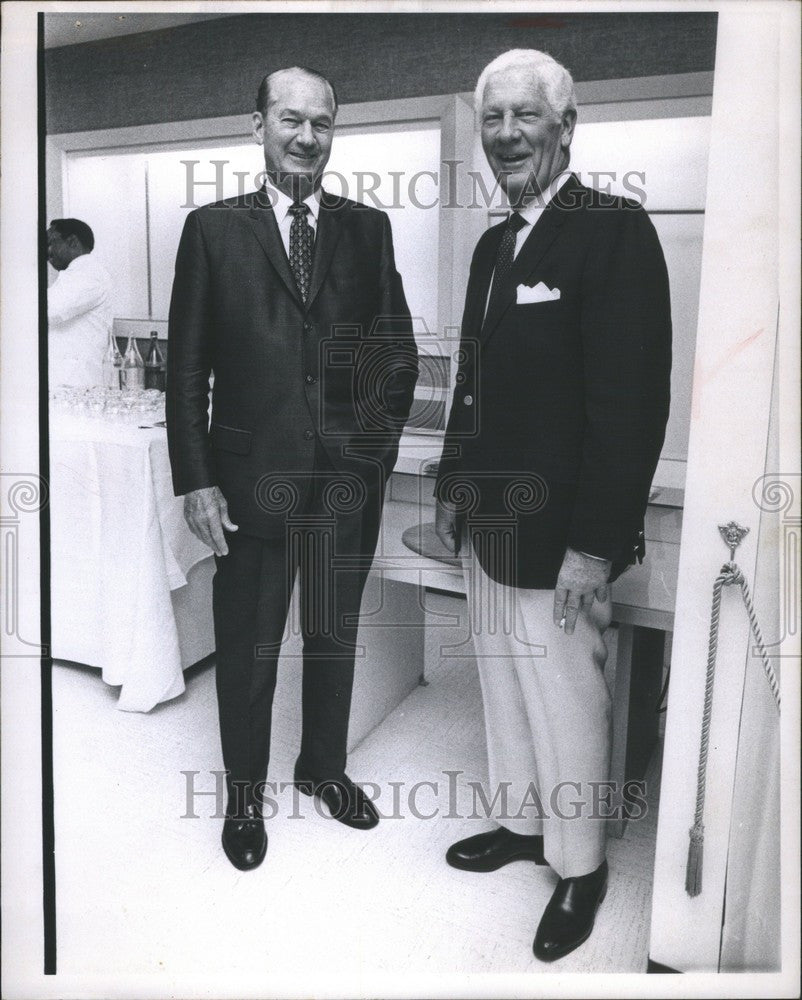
{"x": 445, "y": 526}
{"x": 582, "y": 578}
{"x": 206, "y": 513}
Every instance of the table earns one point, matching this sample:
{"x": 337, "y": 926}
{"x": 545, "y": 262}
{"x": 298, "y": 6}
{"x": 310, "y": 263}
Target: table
{"x": 120, "y": 548}
{"x": 131, "y": 585}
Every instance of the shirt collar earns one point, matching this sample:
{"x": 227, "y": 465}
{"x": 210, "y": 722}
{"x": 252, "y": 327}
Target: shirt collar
{"x": 79, "y": 262}
{"x": 532, "y": 212}
{"x": 281, "y": 202}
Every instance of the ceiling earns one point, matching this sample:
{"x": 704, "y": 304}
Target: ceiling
{"x": 70, "y": 29}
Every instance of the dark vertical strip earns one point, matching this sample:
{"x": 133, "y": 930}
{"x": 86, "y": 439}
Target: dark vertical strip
{"x": 147, "y": 241}
{"x": 46, "y": 663}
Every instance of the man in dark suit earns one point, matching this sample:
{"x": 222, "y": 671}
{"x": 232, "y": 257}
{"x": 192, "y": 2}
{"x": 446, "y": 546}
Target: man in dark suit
{"x": 292, "y": 299}
{"x": 552, "y": 441}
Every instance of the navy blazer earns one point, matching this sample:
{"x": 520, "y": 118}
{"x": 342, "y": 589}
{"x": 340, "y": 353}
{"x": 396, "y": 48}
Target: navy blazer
{"x": 336, "y": 372}
{"x": 560, "y": 408}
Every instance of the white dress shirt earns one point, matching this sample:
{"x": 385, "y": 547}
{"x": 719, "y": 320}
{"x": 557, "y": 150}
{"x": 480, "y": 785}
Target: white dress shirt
{"x": 281, "y": 206}
{"x": 530, "y": 214}
{"x": 79, "y": 320}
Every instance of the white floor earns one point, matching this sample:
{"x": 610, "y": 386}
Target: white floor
{"x": 141, "y": 889}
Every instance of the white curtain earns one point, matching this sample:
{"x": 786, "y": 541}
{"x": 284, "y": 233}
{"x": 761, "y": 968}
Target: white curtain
{"x": 751, "y": 933}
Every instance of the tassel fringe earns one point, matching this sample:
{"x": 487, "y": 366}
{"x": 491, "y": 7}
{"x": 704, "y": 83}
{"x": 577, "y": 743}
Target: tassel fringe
{"x": 693, "y": 872}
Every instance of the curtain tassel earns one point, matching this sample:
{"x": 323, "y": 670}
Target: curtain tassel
{"x": 693, "y": 872}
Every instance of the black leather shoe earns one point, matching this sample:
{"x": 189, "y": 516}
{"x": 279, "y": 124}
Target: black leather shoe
{"x": 345, "y": 800}
{"x": 245, "y": 841}
{"x": 568, "y": 918}
{"x": 487, "y": 852}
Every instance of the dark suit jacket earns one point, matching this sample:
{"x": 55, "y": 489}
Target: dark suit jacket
{"x": 568, "y": 399}
{"x": 339, "y": 370}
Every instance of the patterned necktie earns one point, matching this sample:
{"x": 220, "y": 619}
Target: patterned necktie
{"x": 302, "y": 240}
{"x": 505, "y": 256}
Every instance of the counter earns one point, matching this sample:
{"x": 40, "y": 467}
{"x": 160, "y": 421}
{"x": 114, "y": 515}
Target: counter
{"x": 131, "y": 586}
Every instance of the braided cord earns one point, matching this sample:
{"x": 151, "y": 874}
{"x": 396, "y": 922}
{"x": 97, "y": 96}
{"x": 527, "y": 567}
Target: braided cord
{"x": 730, "y": 574}
{"x": 768, "y": 669}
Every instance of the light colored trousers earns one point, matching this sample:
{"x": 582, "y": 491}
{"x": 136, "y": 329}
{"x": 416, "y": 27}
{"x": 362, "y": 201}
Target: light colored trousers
{"x": 548, "y": 716}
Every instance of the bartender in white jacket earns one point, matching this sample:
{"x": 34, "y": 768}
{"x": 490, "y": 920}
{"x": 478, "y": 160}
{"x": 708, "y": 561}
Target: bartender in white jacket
{"x": 78, "y": 306}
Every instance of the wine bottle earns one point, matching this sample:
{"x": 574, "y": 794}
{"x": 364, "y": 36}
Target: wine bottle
{"x": 112, "y": 364}
{"x": 154, "y": 365}
{"x": 132, "y": 373}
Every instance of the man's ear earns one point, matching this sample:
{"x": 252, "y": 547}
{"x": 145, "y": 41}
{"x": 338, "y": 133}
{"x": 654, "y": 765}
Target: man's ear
{"x": 567, "y": 128}
{"x": 258, "y": 126}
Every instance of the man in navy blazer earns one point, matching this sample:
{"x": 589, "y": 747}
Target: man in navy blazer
{"x": 552, "y": 441}
{"x": 292, "y": 299}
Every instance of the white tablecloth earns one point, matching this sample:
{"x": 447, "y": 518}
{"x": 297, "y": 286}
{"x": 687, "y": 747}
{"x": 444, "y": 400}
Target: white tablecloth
{"x": 119, "y": 546}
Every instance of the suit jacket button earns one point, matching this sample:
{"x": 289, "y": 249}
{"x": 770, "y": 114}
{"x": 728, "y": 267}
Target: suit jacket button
{"x": 310, "y": 379}
{"x": 307, "y": 326}
{"x": 309, "y": 435}
{"x": 468, "y": 400}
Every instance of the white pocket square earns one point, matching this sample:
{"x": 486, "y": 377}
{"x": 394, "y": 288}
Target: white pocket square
{"x": 527, "y": 294}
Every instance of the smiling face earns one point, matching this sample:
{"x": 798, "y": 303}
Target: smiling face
{"x": 526, "y": 143}
{"x": 296, "y": 131}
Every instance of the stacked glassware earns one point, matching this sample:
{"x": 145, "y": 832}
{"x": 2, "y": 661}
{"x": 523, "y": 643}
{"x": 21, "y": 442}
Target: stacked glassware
{"x": 134, "y": 406}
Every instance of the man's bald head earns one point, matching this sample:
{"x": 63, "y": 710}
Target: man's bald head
{"x": 263, "y": 95}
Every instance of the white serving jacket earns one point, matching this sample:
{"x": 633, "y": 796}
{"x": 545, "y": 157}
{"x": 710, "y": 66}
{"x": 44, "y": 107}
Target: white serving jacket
{"x": 79, "y": 319}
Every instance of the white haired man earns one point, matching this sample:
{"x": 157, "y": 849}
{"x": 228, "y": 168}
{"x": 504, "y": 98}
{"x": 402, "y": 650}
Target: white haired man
{"x": 554, "y": 436}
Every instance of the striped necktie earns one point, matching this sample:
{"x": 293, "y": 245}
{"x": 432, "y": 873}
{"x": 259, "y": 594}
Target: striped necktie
{"x": 505, "y": 256}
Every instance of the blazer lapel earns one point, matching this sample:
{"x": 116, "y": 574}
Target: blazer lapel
{"x": 543, "y": 234}
{"x": 265, "y": 228}
{"x": 476, "y": 297}
{"x": 329, "y": 225}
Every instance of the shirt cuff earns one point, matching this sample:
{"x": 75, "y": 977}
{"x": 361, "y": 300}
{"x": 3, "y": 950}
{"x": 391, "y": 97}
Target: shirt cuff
{"x": 590, "y": 556}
